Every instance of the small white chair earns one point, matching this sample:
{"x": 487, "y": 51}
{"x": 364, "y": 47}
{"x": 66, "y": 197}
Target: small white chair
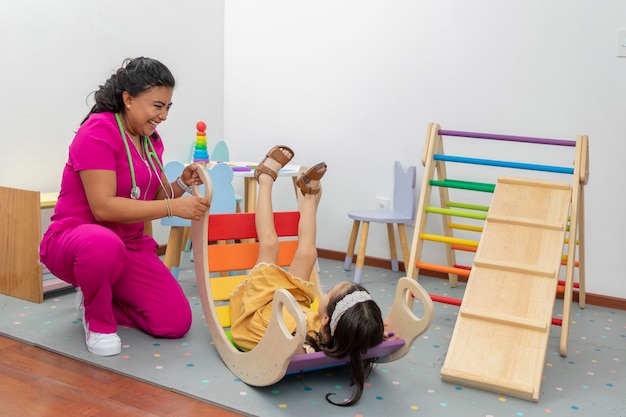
{"x": 403, "y": 212}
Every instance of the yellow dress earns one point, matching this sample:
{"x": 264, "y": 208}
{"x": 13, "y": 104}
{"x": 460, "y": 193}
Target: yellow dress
{"x": 251, "y": 303}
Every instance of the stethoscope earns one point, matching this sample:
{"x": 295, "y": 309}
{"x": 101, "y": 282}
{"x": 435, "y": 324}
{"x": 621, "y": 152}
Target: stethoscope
{"x": 151, "y": 157}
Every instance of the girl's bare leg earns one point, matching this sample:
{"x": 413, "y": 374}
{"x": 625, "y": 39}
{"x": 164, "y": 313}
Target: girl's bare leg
{"x": 306, "y": 254}
{"x": 264, "y": 219}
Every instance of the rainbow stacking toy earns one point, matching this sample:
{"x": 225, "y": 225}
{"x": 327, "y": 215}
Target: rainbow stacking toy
{"x": 200, "y": 154}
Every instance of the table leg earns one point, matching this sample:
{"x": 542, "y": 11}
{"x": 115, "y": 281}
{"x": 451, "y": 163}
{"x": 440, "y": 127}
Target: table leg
{"x": 250, "y": 194}
{"x": 250, "y": 190}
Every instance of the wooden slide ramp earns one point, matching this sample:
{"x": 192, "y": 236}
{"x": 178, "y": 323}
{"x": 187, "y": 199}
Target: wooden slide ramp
{"x": 500, "y": 338}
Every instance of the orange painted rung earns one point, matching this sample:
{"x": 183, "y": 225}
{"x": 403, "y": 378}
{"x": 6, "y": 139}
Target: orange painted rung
{"x": 564, "y": 261}
{"x": 443, "y": 268}
{"x": 242, "y": 256}
{"x": 463, "y": 248}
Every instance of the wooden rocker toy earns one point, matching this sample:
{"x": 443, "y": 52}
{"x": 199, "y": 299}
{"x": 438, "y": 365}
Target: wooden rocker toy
{"x": 225, "y": 248}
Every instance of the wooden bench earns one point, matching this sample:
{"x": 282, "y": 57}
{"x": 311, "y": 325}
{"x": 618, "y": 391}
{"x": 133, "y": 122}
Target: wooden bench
{"x": 20, "y": 234}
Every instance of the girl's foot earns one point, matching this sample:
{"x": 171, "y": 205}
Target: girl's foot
{"x": 274, "y": 160}
{"x": 309, "y": 182}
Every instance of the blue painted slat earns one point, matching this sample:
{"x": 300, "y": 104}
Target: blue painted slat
{"x": 505, "y": 164}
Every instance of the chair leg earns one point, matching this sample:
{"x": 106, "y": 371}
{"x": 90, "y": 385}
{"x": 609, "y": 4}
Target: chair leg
{"x": 393, "y": 251}
{"x": 351, "y": 244}
{"x": 404, "y": 245}
{"x": 360, "y": 257}
{"x": 174, "y": 249}
{"x": 187, "y": 239}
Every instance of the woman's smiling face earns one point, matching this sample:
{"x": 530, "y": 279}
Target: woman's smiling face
{"x": 144, "y": 112}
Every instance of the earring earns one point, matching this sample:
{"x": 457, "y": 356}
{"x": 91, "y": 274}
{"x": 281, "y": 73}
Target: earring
{"x": 128, "y": 105}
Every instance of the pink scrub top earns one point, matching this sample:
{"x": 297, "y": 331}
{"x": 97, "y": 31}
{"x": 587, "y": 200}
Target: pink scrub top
{"x": 98, "y": 144}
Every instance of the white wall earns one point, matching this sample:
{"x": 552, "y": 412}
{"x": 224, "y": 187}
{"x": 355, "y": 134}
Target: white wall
{"x": 53, "y": 54}
{"x": 356, "y": 82}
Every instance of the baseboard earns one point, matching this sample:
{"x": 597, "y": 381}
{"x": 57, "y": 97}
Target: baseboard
{"x": 592, "y": 299}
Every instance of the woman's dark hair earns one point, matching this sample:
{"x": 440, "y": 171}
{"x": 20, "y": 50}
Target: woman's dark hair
{"x": 359, "y": 328}
{"x": 134, "y": 76}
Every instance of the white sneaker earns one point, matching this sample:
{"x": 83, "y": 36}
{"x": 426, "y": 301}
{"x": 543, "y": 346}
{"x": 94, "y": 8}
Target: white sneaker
{"x": 101, "y": 344}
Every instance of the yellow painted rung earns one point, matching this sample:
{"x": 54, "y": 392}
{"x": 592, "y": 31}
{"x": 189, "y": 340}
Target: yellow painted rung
{"x": 223, "y": 314}
{"x": 223, "y": 287}
{"x": 448, "y": 239}
{"x": 467, "y": 227}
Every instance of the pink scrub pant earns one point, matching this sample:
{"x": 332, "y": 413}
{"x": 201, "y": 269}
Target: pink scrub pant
{"x": 127, "y": 286}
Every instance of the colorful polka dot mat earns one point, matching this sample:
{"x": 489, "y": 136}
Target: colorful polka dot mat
{"x": 590, "y": 381}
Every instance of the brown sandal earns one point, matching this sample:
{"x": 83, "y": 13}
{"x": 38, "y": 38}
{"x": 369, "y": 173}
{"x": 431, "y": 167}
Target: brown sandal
{"x": 277, "y": 155}
{"x": 311, "y": 174}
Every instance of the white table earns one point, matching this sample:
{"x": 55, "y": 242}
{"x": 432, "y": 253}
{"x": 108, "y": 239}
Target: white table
{"x": 245, "y": 170}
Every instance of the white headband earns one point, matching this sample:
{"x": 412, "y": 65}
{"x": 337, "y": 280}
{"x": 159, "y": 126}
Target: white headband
{"x": 348, "y": 301}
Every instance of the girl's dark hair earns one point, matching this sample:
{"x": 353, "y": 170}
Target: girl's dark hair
{"x": 134, "y": 76}
{"x": 360, "y": 328}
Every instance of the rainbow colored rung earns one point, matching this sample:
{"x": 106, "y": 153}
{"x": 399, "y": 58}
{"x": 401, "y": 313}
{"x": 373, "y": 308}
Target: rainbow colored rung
{"x": 457, "y": 213}
{"x": 464, "y": 185}
{"x": 448, "y": 239}
{"x": 503, "y": 164}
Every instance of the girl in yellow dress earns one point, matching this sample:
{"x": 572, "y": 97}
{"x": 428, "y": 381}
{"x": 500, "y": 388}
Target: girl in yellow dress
{"x": 347, "y": 321}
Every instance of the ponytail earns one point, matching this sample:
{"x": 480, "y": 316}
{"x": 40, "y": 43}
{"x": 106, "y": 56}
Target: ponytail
{"x": 359, "y": 328}
{"x": 134, "y": 76}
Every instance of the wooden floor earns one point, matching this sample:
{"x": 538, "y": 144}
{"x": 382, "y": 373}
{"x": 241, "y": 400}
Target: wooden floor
{"x": 36, "y": 382}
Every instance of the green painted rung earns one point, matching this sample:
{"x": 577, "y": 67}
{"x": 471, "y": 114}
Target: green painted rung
{"x": 464, "y": 185}
{"x": 458, "y": 213}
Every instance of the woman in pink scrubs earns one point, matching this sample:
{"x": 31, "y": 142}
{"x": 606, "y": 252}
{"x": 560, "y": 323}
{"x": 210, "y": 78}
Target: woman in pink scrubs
{"x": 112, "y": 183}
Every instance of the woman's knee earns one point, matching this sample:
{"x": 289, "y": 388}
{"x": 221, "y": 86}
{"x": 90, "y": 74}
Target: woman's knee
{"x": 174, "y": 324}
{"x": 77, "y": 251}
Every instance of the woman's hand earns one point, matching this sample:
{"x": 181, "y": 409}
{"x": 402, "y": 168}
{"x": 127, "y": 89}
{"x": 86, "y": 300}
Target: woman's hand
{"x": 190, "y": 175}
{"x": 190, "y": 207}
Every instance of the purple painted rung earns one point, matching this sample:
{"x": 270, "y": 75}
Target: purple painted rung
{"x": 557, "y": 142}
{"x": 319, "y": 360}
